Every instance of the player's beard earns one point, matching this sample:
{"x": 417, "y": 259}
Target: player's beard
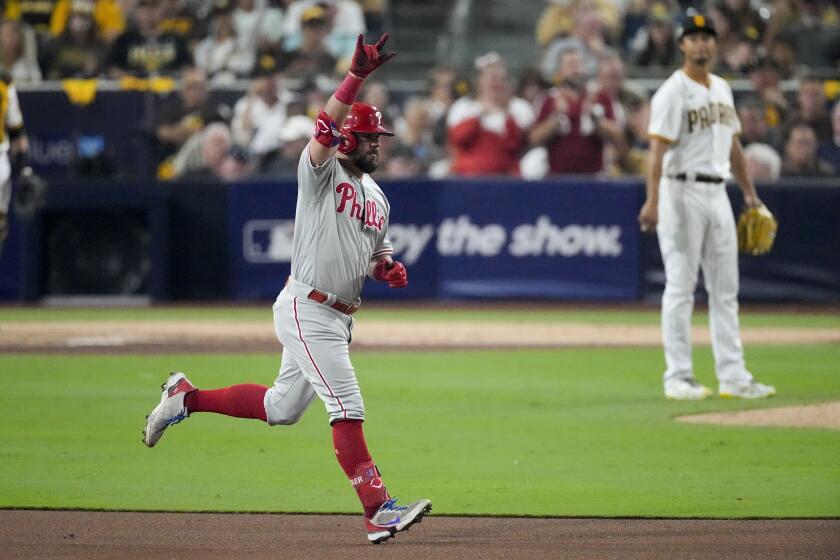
{"x": 365, "y": 163}
{"x": 701, "y": 59}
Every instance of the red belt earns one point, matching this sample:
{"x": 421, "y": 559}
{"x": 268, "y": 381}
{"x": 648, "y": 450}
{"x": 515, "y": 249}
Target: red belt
{"x": 321, "y": 297}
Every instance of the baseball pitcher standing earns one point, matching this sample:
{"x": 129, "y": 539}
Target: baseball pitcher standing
{"x": 341, "y": 236}
{"x": 693, "y": 146}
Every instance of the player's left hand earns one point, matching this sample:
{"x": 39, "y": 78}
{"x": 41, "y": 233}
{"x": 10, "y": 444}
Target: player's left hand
{"x": 368, "y": 58}
{"x": 393, "y": 272}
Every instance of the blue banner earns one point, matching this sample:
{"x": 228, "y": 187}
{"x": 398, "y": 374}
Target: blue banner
{"x": 804, "y": 264}
{"x": 460, "y": 239}
{"x": 113, "y": 135}
{"x": 466, "y": 239}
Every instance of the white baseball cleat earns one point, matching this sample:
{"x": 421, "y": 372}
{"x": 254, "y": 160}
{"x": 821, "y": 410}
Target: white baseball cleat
{"x": 686, "y": 390}
{"x": 170, "y": 410}
{"x": 390, "y": 519}
{"x": 748, "y": 390}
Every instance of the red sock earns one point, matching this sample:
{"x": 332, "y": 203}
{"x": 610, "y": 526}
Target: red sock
{"x": 241, "y": 401}
{"x": 353, "y": 456}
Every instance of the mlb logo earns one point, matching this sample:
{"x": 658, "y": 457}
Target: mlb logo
{"x": 268, "y": 241}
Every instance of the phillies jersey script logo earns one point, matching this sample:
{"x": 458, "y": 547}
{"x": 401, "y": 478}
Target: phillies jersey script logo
{"x": 371, "y": 216}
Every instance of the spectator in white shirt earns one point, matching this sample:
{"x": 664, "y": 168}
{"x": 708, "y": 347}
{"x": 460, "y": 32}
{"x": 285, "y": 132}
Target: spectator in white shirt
{"x": 221, "y": 55}
{"x": 259, "y": 116}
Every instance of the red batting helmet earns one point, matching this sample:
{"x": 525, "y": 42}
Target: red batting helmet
{"x": 362, "y": 118}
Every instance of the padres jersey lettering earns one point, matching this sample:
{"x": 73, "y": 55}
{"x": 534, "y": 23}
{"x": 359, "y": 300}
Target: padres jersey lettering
{"x": 705, "y": 117}
{"x": 698, "y": 121}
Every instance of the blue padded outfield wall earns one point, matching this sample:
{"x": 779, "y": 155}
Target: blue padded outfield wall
{"x": 487, "y": 239}
{"x": 466, "y": 239}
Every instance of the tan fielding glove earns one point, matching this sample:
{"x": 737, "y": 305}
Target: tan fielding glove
{"x": 756, "y": 230}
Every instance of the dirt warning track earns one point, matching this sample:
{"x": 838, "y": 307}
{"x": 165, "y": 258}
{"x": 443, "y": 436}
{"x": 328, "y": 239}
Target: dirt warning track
{"x": 249, "y": 336}
{"x": 150, "y": 536}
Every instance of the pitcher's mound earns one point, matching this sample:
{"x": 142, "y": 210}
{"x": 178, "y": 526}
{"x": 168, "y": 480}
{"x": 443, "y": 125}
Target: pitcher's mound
{"x": 826, "y": 415}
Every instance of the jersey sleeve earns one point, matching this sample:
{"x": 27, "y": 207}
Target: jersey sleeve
{"x": 383, "y": 249}
{"x": 665, "y": 114}
{"x": 14, "y": 117}
{"x": 313, "y": 181}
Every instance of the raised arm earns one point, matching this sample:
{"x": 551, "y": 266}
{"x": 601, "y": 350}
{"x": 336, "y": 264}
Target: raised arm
{"x": 366, "y": 59}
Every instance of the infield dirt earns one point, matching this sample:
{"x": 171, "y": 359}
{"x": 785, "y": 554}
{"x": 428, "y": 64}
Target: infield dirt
{"x": 152, "y": 536}
{"x": 233, "y": 336}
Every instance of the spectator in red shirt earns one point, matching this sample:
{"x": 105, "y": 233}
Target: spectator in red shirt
{"x": 573, "y": 121}
{"x": 487, "y": 132}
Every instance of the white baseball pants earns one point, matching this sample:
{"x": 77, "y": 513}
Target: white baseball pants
{"x": 5, "y": 182}
{"x": 316, "y": 360}
{"x": 697, "y": 230}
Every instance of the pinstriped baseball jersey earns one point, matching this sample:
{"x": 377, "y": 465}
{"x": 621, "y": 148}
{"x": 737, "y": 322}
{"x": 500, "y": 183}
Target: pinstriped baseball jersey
{"x": 11, "y": 119}
{"x": 10, "y": 114}
{"x": 698, "y": 121}
{"x": 341, "y": 226}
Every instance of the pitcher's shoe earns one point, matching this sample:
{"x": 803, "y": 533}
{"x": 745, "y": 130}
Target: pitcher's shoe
{"x": 171, "y": 409}
{"x": 748, "y": 390}
{"x": 390, "y": 519}
{"x": 686, "y": 390}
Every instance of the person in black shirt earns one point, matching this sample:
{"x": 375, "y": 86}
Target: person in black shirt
{"x": 185, "y": 113}
{"x": 145, "y": 50}
{"x": 79, "y": 52}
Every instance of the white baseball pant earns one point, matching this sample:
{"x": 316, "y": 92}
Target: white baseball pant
{"x": 5, "y": 182}
{"x": 697, "y": 230}
{"x": 316, "y": 360}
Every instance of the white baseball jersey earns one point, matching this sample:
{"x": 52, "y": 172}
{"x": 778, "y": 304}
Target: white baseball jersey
{"x": 341, "y": 226}
{"x": 696, "y": 227}
{"x": 12, "y": 119}
{"x": 698, "y": 122}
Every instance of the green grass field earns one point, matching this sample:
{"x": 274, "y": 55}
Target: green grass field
{"x": 566, "y": 432}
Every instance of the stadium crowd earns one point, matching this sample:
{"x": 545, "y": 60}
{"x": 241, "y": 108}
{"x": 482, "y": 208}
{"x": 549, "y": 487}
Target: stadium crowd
{"x": 576, "y": 108}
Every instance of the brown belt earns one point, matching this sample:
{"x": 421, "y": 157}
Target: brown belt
{"x": 321, "y": 297}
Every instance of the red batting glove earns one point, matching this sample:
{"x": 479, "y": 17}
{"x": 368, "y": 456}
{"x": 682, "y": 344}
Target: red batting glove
{"x": 367, "y": 58}
{"x": 393, "y": 272}
{"x": 397, "y": 276}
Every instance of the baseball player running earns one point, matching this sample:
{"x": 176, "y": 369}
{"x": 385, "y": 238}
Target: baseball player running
{"x": 341, "y": 236}
{"x": 693, "y": 145}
